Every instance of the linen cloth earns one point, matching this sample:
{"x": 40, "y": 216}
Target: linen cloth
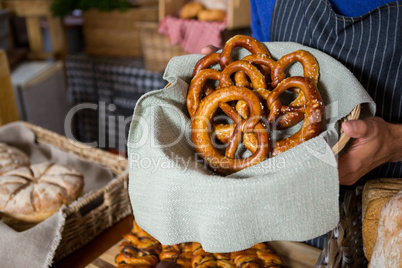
{"x": 192, "y": 35}
{"x": 36, "y": 246}
{"x": 293, "y": 196}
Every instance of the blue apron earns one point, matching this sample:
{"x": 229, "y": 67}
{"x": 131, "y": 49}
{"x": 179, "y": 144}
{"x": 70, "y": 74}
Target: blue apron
{"x": 369, "y": 45}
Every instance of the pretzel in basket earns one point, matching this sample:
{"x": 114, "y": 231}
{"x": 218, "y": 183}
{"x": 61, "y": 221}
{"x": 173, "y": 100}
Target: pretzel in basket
{"x": 201, "y": 130}
{"x": 248, "y": 91}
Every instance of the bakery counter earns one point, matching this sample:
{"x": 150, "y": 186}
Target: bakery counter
{"x": 102, "y": 251}
{"x": 104, "y": 91}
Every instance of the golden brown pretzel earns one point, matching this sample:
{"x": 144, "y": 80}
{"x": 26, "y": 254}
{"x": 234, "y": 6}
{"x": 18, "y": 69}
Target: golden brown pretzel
{"x": 206, "y": 62}
{"x": 290, "y": 115}
{"x": 256, "y": 77}
{"x": 314, "y": 112}
{"x": 179, "y": 253}
{"x": 310, "y": 70}
{"x": 197, "y": 88}
{"x": 247, "y": 42}
{"x": 309, "y": 63}
{"x": 201, "y": 131}
{"x": 148, "y": 261}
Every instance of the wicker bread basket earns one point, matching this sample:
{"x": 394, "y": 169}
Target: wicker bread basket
{"x": 100, "y": 210}
{"x": 156, "y": 48}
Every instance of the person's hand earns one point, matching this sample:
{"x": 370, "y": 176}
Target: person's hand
{"x": 209, "y": 49}
{"x": 374, "y": 142}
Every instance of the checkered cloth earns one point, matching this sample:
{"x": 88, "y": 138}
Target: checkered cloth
{"x": 107, "y": 90}
{"x": 192, "y": 35}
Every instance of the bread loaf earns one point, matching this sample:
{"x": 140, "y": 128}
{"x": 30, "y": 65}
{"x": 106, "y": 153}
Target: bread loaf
{"x": 190, "y": 10}
{"x": 211, "y": 15}
{"x": 388, "y": 248}
{"x": 376, "y": 194}
{"x": 11, "y": 158}
{"x": 29, "y": 195}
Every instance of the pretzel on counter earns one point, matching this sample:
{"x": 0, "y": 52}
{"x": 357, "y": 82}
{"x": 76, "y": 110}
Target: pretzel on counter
{"x": 179, "y": 253}
{"x": 201, "y": 130}
{"x": 190, "y": 255}
{"x": 139, "y": 249}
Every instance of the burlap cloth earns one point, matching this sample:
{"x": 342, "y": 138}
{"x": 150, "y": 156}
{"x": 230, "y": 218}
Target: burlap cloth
{"x": 293, "y": 196}
{"x": 36, "y": 246}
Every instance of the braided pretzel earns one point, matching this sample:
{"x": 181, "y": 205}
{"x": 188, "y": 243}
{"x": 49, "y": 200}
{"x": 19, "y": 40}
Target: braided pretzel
{"x": 180, "y": 254}
{"x": 314, "y": 111}
{"x": 226, "y": 164}
{"x": 138, "y": 250}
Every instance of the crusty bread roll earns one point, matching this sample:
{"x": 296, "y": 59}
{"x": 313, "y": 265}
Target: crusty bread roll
{"x": 388, "y": 248}
{"x": 29, "y": 195}
{"x": 376, "y": 194}
{"x": 190, "y": 10}
{"x": 11, "y": 158}
{"x": 211, "y": 15}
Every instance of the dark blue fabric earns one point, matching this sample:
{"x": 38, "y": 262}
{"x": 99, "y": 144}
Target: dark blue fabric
{"x": 261, "y": 13}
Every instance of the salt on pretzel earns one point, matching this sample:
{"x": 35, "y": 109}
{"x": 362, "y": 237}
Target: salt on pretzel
{"x": 309, "y": 63}
{"x": 201, "y": 131}
{"x": 310, "y": 70}
{"x": 313, "y": 110}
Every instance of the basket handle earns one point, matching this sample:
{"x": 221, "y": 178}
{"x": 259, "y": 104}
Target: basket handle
{"x": 92, "y": 205}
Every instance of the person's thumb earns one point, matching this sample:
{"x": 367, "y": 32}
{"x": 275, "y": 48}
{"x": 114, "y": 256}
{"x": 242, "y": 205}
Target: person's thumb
{"x": 355, "y": 128}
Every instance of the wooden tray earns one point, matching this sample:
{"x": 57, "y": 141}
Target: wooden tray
{"x": 293, "y": 254}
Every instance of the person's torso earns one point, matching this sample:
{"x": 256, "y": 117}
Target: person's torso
{"x": 369, "y": 45}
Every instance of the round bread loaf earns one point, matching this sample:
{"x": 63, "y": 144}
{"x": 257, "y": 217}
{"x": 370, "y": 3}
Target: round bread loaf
{"x": 190, "y": 10}
{"x": 376, "y": 194}
{"x": 29, "y": 195}
{"x": 211, "y": 15}
{"x": 388, "y": 247}
{"x": 11, "y": 158}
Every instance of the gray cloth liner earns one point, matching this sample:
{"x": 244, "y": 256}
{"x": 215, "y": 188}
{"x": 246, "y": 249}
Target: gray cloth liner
{"x": 36, "y": 246}
{"x": 293, "y": 196}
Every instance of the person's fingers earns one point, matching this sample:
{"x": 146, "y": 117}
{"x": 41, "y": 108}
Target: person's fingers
{"x": 209, "y": 49}
{"x": 356, "y": 128}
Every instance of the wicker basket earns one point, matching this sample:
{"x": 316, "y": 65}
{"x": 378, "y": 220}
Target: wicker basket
{"x": 100, "y": 210}
{"x": 156, "y": 48}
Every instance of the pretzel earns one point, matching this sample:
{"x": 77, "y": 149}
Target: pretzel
{"x": 310, "y": 70}
{"x": 201, "y": 136}
{"x": 179, "y": 253}
{"x": 197, "y": 88}
{"x": 314, "y": 112}
{"x": 138, "y": 250}
{"x": 309, "y": 63}
{"x": 206, "y": 62}
{"x": 247, "y": 42}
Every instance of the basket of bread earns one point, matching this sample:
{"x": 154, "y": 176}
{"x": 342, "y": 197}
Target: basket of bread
{"x": 242, "y": 146}
{"x": 56, "y": 194}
